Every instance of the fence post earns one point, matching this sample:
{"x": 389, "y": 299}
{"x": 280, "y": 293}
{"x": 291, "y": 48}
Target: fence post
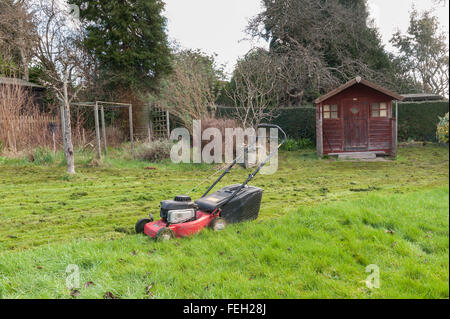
{"x": 14, "y": 136}
{"x": 103, "y": 128}
{"x": 97, "y": 131}
{"x": 130, "y": 113}
{"x": 54, "y": 142}
{"x": 150, "y": 125}
{"x": 10, "y": 144}
{"x": 168, "y": 124}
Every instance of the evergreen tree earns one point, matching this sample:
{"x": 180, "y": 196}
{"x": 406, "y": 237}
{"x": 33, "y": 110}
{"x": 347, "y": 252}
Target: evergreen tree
{"x": 128, "y": 38}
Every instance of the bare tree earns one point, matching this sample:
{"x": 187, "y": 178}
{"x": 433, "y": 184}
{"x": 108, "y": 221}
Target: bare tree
{"x": 297, "y": 68}
{"x": 63, "y": 61}
{"x": 253, "y": 89}
{"x": 318, "y": 45}
{"x": 18, "y": 36}
{"x": 440, "y": 2}
{"x": 189, "y": 92}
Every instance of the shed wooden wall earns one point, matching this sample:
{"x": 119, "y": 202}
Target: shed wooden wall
{"x": 379, "y": 129}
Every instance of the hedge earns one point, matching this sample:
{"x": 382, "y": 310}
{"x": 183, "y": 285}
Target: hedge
{"x": 417, "y": 121}
{"x": 298, "y": 123}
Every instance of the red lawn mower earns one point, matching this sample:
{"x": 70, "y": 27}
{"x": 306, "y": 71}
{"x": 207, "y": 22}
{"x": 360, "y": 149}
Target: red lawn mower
{"x": 182, "y": 217}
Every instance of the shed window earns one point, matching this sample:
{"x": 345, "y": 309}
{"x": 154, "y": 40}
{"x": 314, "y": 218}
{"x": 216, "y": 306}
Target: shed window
{"x": 379, "y": 110}
{"x": 330, "y": 112}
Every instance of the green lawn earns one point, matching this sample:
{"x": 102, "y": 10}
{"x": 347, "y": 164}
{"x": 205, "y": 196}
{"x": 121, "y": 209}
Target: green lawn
{"x": 321, "y": 223}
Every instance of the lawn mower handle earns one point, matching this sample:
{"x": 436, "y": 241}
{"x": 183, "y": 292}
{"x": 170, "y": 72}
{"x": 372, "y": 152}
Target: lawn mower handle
{"x": 250, "y": 177}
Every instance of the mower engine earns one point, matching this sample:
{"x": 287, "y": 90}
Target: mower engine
{"x": 178, "y": 211}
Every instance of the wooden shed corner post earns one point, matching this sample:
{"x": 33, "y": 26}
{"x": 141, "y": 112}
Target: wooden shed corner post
{"x": 319, "y": 130}
{"x": 394, "y": 150}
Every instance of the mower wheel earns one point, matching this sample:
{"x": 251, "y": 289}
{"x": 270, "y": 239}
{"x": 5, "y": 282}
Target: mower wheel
{"x": 218, "y": 224}
{"x": 139, "y": 227}
{"x": 164, "y": 234}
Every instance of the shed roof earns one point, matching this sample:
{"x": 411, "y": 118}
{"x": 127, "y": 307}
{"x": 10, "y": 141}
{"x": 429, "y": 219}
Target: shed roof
{"x": 15, "y": 81}
{"x": 358, "y": 80}
{"x": 416, "y": 97}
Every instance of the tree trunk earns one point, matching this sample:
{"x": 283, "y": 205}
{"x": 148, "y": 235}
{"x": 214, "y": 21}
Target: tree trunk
{"x": 26, "y": 72}
{"x": 63, "y": 131}
{"x": 22, "y": 50}
{"x": 68, "y": 147}
{"x": 68, "y": 151}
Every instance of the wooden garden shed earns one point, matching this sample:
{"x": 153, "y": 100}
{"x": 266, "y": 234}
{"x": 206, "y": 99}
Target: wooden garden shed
{"x": 356, "y": 119}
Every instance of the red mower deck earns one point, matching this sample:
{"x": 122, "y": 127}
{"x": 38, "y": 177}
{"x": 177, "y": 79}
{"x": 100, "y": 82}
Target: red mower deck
{"x": 181, "y": 230}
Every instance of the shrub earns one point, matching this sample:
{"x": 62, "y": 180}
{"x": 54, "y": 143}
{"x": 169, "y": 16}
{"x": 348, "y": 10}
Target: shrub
{"x": 442, "y": 129}
{"x": 42, "y": 156}
{"x": 290, "y": 145}
{"x": 189, "y": 92}
{"x": 417, "y": 121}
{"x": 115, "y": 136}
{"x": 155, "y": 151}
{"x": 305, "y": 143}
{"x": 221, "y": 124}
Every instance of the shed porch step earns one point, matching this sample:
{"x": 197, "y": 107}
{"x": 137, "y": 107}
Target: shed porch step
{"x": 357, "y": 155}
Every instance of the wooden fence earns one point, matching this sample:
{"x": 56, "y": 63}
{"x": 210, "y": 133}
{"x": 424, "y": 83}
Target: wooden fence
{"x": 23, "y": 132}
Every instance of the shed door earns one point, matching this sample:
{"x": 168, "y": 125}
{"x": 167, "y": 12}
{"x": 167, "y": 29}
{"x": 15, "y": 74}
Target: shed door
{"x": 356, "y": 125}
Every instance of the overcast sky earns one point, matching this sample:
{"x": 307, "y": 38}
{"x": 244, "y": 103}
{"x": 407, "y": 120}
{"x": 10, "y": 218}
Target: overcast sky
{"x": 218, "y": 26}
